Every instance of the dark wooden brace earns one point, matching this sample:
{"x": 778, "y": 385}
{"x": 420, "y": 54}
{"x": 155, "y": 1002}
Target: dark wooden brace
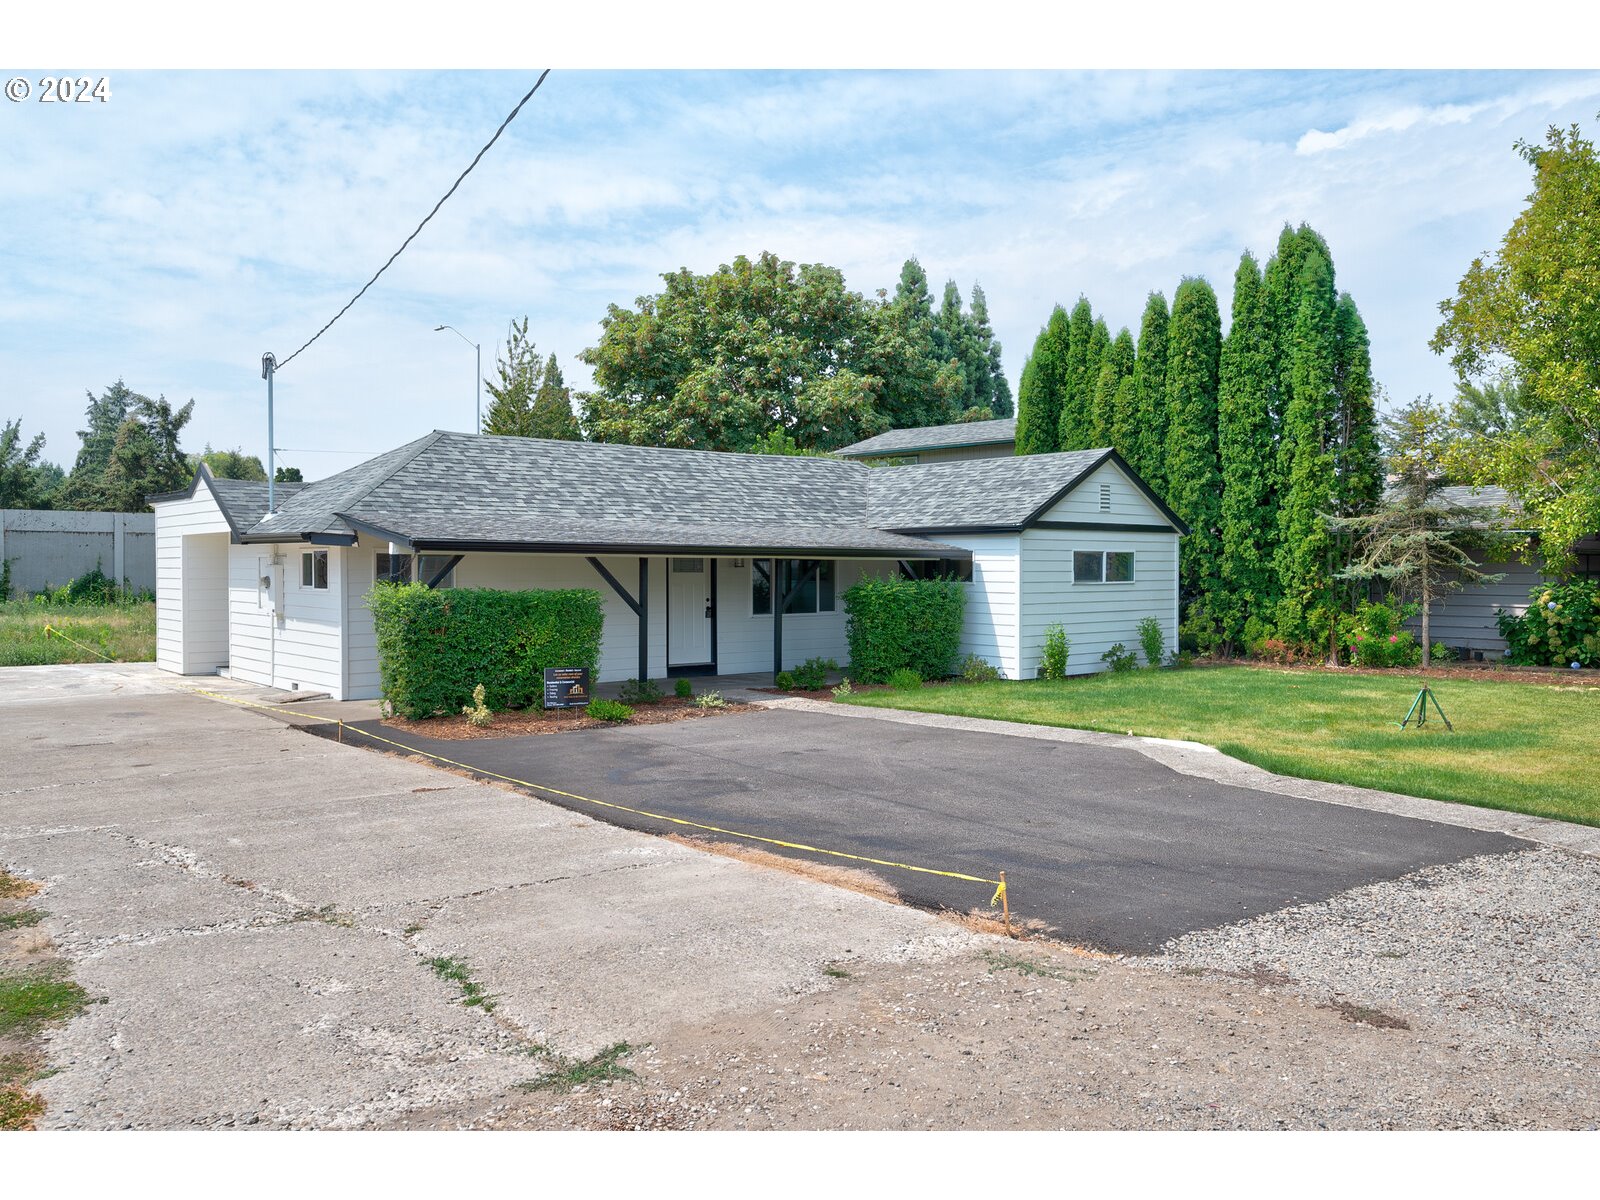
{"x": 780, "y": 605}
{"x": 438, "y": 576}
{"x": 640, "y": 607}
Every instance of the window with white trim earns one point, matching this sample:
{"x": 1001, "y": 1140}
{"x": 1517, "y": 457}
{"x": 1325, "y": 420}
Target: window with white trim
{"x": 1102, "y": 566}
{"x": 314, "y": 569}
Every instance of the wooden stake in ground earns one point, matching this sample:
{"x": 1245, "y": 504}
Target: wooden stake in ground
{"x": 1005, "y": 904}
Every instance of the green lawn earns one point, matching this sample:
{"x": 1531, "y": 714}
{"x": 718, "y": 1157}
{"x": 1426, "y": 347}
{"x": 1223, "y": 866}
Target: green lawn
{"x": 1523, "y": 747}
{"x": 125, "y": 632}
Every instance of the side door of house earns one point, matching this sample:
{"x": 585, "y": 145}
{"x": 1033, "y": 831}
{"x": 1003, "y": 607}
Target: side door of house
{"x": 690, "y": 620}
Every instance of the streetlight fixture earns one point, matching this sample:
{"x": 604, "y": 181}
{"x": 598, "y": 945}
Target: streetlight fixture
{"x": 478, "y": 375}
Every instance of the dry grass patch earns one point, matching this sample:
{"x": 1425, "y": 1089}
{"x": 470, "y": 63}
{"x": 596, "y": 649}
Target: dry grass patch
{"x": 15, "y": 887}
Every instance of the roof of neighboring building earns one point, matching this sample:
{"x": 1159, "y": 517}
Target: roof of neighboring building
{"x": 934, "y": 437}
{"x": 461, "y": 491}
{"x": 1499, "y": 508}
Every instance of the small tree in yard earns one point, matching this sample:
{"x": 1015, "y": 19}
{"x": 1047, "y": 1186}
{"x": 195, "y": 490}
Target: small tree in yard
{"x": 1417, "y": 541}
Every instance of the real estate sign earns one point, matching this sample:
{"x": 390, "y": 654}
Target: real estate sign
{"x": 566, "y": 687}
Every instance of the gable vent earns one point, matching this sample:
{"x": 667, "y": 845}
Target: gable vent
{"x": 1105, "y": 497}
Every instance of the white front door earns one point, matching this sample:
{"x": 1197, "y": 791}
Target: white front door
{"x": 688, "y": 612}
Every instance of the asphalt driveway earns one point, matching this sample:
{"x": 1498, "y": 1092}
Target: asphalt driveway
{"x": 1110, "y": 848}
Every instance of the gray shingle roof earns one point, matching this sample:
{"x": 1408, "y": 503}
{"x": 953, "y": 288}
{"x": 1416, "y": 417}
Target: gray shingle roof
{"x": 973, "y": 492}
{"x": 934, "y": 437}
{"x": 459, "y": 490}
{"x": 244, "y": 502}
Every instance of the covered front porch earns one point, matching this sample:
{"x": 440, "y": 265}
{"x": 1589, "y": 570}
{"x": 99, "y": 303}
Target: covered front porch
{"x": 736, "y": 617}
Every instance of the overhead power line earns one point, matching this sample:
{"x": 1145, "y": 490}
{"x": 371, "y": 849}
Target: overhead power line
{"x": 509, "y": 118}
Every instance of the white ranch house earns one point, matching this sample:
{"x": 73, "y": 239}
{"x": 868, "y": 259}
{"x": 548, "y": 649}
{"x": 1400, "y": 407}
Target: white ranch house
{"x": 684, "y": 546}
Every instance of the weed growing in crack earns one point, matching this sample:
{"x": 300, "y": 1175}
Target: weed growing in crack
{"x": 833, "y": 972}
{"x": 459, "y": 973}
{"x": 571, "y": 1073}
{"x": 328, "y": 915}
{"x": 20, "y": 920}
{"x": 1024, "y": 966}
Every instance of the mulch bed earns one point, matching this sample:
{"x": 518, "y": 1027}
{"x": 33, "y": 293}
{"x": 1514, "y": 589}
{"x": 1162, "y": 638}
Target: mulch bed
{"x": 520, "y": 723}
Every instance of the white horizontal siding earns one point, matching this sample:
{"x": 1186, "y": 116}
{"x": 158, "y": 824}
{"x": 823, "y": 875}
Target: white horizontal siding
{"x": 175, "y": 520}
{"x": 991, "y": 626}
{"x": 744, "y": 638}
{"x": 1096, "y": 615}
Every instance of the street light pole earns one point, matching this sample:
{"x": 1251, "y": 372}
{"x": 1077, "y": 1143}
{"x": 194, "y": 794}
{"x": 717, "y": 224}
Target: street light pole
{"x": 478, "y": 377}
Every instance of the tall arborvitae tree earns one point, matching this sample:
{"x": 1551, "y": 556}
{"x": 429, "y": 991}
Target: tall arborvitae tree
{"x": 1306, "y": 460}
{"x": 1116, "y": 368}
{"x": 1279, "y": 284}
{"x": 983, "y": 332}
{"x": 1360, "y": 460}
{"x": 1149, "y": 447}
{"x": 1099, "y": 347}
{"x": 1194, "y": 475}
{"x": 1039, "y": 394}
{"x": 1245, "y": 446}
{"x": 551, "y": 415}
{"x": 1077, "y": 387}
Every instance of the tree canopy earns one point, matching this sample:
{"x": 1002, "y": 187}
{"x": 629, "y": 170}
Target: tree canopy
{"x": 719, "y": 361}
{"x": 19, "y": 467}
{"x": 1527, "y": 317}
{"x": 129, "y": 451}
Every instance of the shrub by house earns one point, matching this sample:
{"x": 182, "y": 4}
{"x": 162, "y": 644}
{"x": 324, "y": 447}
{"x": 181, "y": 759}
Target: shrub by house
{"x": 911, "y": 624}
{"x": 436, "y": 646}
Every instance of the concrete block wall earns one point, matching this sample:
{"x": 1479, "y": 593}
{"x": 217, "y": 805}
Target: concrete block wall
{"x": 48, "y": 549}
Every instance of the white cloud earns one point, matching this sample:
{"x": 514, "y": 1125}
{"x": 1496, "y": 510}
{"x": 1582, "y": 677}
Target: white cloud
{"x": 213, "y": 217}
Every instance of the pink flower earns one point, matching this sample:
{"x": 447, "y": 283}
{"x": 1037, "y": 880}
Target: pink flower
{"x": 1393, "y": 638}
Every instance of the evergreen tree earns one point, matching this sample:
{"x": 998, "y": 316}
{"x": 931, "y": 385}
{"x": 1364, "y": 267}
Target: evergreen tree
{"x": 104, "y": 418}
{"x": 1194, "y": 474}
{"x": 511, "y": 392}
{"x": 919, "y": 384}
{"x": 1245, "y": 447}
{"x": 551, "y": 414}
{"x": 983, "y": 332}
{"x": 288, "y": 475}
{"x": 1360, "y": 464}
{"x": 1306, "y": 459}
{"x": 1420, "y": 544}
{"x": 1039, "y": 393}
{"x": 1077, "y": 390}
{"x": 1116, "y": 368}
{"x": 145, "y": 457}
{"x": 1149, "y": 424}
{"x": 1280, "y": 282}
{"x": 19, "y": 467}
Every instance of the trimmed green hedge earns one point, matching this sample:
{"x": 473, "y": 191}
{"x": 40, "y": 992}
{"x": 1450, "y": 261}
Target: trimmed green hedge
{"x": 435, "y": 646}
{"x": 897, "y": 624}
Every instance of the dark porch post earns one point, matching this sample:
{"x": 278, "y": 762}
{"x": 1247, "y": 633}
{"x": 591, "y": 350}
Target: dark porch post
{"x": 775, "y": 590}
{"x": 644, "y": 619}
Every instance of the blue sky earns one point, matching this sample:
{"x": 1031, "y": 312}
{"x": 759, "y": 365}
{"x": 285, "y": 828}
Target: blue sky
{"x": 172, "y": 235}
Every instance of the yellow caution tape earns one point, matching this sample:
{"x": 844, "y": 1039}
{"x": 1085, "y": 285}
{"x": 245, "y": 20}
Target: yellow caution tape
{"x": 643, "y": 812}
{"x": 1000, "y": 887}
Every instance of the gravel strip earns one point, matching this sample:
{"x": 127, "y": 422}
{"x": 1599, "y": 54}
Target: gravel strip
{"x": 1503, "y": 951}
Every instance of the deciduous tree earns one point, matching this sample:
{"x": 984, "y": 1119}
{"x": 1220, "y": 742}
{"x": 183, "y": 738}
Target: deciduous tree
{"x": 1528, "y": 316}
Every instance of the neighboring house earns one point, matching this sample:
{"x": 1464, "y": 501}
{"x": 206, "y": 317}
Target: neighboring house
{"x": 937, "y": 443}
{"x": 692, "y": 551}
{"x": 1465, "y": 620}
